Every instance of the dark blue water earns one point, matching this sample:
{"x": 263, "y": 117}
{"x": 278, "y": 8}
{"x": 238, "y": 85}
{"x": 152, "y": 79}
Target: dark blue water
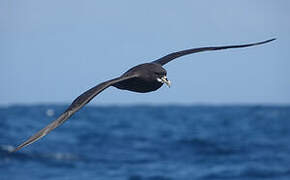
{"x": 148, "y": 143}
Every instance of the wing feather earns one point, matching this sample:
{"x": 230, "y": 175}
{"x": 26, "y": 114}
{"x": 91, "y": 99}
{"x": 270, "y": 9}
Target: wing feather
{"x": 78, "y": 103}
{"x": 175, "y": 55}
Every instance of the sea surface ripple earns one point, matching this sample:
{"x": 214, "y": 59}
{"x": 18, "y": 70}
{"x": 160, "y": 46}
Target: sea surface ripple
{"x": 142, "y": 142}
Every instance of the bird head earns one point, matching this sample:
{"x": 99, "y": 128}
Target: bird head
{"x": 163, "y": 79}
{"x": 160, "y": 76}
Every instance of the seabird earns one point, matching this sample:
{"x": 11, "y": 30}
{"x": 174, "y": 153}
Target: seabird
{"x": 142, "y": 78}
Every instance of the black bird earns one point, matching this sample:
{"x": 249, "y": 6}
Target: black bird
{"x": 141, "y": 78}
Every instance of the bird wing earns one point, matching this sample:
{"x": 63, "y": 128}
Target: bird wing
{"x": 78, "y": 103}
{"x": 174, "y": 55}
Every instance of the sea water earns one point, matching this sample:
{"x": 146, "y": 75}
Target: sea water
{"x": 147, "y": 143}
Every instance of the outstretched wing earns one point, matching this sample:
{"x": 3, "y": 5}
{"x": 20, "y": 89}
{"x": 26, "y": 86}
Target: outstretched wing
{"x": 78, "y": 103}
{"x": 174, "y": 55}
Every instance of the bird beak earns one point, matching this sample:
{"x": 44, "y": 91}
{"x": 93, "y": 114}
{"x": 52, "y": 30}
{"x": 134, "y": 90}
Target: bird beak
{"x": 164, "y": 80}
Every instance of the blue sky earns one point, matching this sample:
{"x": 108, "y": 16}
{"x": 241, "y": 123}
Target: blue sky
{"x": 52, "y": 51}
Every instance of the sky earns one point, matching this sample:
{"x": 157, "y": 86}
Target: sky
{"x": 52, "y": 51}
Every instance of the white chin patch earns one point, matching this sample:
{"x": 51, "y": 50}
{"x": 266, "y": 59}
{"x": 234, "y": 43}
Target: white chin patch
{"x": 159, "y": 80}
{"x": 164, "y": 80}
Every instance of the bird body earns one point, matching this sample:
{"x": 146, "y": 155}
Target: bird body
{"x": 142, "y": 78}
{"x": 145, "y": 78}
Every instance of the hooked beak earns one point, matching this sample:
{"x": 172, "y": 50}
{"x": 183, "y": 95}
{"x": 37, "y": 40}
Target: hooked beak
{"x": 164, "y": 80}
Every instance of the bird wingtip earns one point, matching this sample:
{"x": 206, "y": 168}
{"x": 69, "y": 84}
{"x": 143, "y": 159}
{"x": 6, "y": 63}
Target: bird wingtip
{"x": 267, "y": 41}
{"x": 16, "y": 149}
{"x": 273, "y": 39}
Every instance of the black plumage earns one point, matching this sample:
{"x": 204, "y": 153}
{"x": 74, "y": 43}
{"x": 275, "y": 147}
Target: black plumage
{"x": 142, "y": 78}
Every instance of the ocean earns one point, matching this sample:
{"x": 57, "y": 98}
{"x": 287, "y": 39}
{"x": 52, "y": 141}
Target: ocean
{"x": 144, "y": 142}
